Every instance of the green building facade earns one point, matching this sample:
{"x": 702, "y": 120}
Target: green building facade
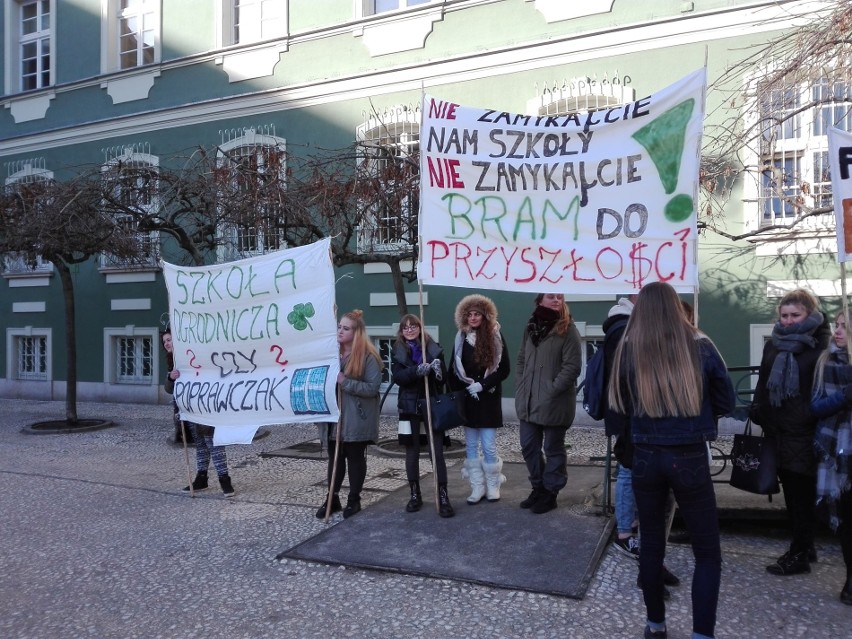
{"x": 102, "y": 81}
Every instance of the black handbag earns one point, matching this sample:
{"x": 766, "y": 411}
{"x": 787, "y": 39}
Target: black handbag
{"x": 447, "y": 410}
{"x": 755, "y": 463}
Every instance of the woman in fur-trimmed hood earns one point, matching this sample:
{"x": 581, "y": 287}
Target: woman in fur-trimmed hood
{"x": 478, "y": 365}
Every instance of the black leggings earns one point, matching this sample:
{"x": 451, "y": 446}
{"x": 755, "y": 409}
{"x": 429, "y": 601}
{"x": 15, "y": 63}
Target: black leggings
{"x": 800, "y": 498}
{"x": 353, "y": 455}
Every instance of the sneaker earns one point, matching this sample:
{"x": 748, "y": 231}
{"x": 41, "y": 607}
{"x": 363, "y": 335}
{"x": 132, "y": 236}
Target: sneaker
{"x": 227, "y": 488}
{"x": 199, "y": 483}
{"x": 790, "y": 564}
{"x": 659, "y": 634}
{"x": 629, "y": 546}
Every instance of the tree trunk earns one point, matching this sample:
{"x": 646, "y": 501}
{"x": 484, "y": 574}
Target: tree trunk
{"x": 70, "y": 341}
{"x": 398, "y": 287}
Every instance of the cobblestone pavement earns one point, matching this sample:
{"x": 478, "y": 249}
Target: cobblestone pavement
{"x": 98, "y": 541}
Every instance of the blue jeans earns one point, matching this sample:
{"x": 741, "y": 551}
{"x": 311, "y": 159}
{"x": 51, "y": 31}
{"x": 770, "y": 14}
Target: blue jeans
{"x": 625, "y": 502}
{"x": 686, "y": 471}
{"x": 488, "y": 437}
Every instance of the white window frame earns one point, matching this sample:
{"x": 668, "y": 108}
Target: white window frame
{"x": 233, "y": 247}
{"x": 112, "y": 337}
{"x": 802, "y": 158}
{"x": 261, "y": 23}
{"x": 13, "y": 338}
{"x": 13, "y": 15}
{"x": 399, "y": 128}
{"x": 111, "y": 16}
{"x": 147, "y": 239}
{"x": 15, "y": 263}
{"x": 364, "y": 8}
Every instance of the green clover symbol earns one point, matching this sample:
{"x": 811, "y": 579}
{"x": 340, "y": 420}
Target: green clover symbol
{"x": 298, "y": 317}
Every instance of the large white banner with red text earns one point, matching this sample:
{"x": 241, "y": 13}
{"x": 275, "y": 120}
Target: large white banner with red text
{"x": 255, "y": 341}
{"x": 840, "y": 161}
{"x": 597, "y": 202}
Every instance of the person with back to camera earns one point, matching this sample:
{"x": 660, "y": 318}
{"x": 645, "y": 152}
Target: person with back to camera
{"x": 671, "y": 383}
{"x": 782, "y": 407}
{"x": 358, "y": 381}
{"x": 411, "y": 365}
{"x": 549, "y": 362}
{"x": 832, "y": 404}
{"x": 479, "y": 365}
{"x": 203, "y": 438}
{"x": 626, "y": 539}
{"x": 169, "y": 387}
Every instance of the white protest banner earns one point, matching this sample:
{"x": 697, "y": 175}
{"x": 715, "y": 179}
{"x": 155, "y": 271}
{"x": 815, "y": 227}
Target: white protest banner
{"x": 840, "y": 161}
{"x": 599, "y": 202}
{"x": 255, "y": 341}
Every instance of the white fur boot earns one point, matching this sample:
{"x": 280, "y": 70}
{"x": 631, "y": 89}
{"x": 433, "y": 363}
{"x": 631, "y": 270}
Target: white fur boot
{"x": 493, "y": 479}
{"x": 472, "y": 471}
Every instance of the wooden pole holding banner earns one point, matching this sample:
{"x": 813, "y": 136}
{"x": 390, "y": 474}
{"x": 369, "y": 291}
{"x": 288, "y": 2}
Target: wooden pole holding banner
{"x": 186, "y": 456}
{"x": 845, "y": 306}
{"x": 333, "y": 478}
{"x": 429, "y": 434}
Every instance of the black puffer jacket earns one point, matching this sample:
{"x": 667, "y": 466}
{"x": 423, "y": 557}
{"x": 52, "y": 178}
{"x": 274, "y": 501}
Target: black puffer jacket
{"x": 411, "y": 387}
{"x": 792, "y": 423}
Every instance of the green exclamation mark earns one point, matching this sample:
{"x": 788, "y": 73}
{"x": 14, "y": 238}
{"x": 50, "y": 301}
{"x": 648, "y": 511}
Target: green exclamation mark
{"x": 663, "y": 139}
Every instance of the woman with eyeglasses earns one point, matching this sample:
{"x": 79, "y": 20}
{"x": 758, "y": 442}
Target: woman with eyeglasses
{"x": 359, "y": 380}
{"x": 479, "y": 366}
{"x": 419, "y": 360}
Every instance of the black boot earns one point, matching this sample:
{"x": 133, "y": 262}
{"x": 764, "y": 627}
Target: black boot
{"x": 846, "y": 593}
{"x": 336, "y": 506}
{"x": 534, "y": 495}
{"x": 353, "y": 505}
{"x": 445, "y": 509}
{"x": 545, "y": 503}
{"x": 227, "y": 487}
{"x": 791, "y": 563}
{"x": 199, "y": 483}
{"x": 416, "y": 500}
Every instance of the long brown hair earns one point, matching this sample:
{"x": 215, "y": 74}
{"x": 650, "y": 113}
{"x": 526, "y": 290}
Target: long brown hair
{"x": 362, "y": 346}
{"x": 564, "y": 322}
{"x": 408, "y": 318}
{"x": 659, "y": 354}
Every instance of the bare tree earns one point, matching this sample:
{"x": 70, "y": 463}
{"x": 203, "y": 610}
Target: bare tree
{"x": 63, "y": 222}
{"x": 793, "y": 87}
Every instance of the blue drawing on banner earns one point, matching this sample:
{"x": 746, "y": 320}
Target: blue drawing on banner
{"x": 307, "y": 391}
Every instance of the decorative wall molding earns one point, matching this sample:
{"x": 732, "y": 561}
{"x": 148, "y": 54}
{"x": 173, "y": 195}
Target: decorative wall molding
{"x": 558, "y": 10}
{"x": 130, "y": 87}
{"x": 247, "y": 65}
{"x": 32, "y": 108}
{"x": 402, "y": 33}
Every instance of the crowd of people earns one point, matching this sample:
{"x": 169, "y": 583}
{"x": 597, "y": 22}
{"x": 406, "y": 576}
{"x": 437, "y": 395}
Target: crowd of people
{"x": 662, "y": 417}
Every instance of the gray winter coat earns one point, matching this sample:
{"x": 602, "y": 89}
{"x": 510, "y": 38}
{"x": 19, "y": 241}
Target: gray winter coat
{"x": 359, "y": 407}
{"x": 546, "y": 378}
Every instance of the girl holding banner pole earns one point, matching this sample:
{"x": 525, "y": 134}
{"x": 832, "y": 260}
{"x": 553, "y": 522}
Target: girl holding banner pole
{"x": 479, "y": 365}
{"x": 358, "y": 384}
{"x": 418, "y": 360}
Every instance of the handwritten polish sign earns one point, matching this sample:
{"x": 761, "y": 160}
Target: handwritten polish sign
{"x": 840, "y": 161}
{"x": 597, "y": 202}
{"x": 255, "y": 341}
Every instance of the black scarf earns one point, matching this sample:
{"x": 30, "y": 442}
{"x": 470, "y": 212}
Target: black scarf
{"x": 542, "y": 321}
{"x": 783, "y": 380}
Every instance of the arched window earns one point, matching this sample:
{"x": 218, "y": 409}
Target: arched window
{"x": 252, "y": 170}
{"x": 23, "y": 178}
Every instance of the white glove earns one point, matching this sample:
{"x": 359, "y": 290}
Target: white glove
{"x": 436, "y": 366}
{"x": 474, "y": 390}
{"x": 423, "y": 369}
